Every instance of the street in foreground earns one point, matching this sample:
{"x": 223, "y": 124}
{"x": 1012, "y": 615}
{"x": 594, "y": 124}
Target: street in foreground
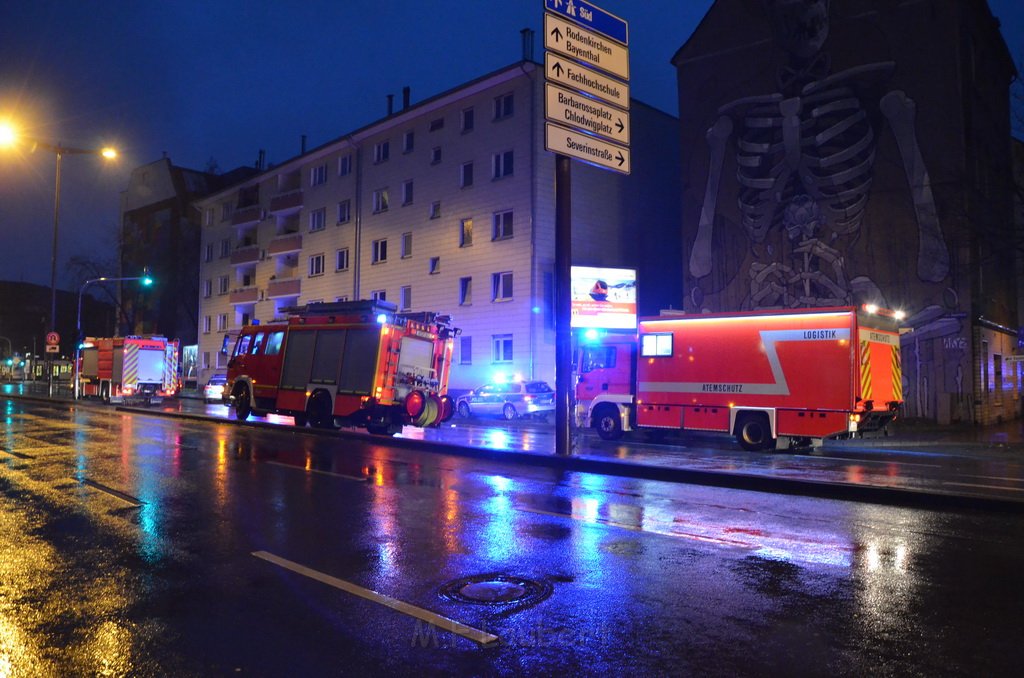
{"x": 135, "y": 545}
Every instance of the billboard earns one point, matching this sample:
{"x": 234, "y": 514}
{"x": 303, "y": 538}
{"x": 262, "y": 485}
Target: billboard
{"x": 603, "y": 298}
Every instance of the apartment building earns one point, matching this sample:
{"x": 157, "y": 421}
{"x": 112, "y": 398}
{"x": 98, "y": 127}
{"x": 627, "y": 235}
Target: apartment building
{"x": 446, "y": 205}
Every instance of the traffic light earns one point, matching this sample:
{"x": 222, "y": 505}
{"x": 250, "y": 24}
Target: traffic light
{"x": 147, "y": 280}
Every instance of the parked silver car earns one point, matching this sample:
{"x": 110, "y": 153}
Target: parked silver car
{"x": 509, "y": 400}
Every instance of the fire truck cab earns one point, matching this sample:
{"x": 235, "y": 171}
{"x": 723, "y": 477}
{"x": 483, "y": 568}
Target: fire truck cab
{"x": 345, "y": 364}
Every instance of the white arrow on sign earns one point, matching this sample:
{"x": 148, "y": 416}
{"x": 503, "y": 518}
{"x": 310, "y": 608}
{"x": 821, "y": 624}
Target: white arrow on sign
{"x": 589, "y": 48}
{"x": 575, "y": 110}
{"x": 558, "y": 139}
{"x": 571, "y": 74}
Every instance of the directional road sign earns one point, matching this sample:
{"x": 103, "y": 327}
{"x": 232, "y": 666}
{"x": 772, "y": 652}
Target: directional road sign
{"x": 587, "y": 47}
{"x": 591, "y": 17}
{"x": 52, "y": 348}
{"x": 558, "y": 139}
{"x": 52, "y": 338}
{"x": 575, "y": 110}
{"x": 571, "y": 74}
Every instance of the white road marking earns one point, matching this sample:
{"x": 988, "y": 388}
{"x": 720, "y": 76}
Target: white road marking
{"x": 359, "y": 479}
{"x": 111, "y": 491}
{"x": 443, "y": 623}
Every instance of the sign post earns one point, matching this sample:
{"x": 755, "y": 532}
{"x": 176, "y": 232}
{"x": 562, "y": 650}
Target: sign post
{"x": 586, "y": 104}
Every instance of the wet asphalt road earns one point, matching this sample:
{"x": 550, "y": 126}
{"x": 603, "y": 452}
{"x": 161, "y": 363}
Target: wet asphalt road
{"x": 127, "y": 542}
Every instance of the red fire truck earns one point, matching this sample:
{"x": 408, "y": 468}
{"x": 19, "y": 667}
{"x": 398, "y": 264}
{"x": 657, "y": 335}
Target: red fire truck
{"x": 786, "y": 378}
{"x": 135, "y": 368}
{"x": 354, "y": 363}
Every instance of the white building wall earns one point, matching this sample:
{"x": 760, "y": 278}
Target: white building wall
{"x": 528, "y": 192}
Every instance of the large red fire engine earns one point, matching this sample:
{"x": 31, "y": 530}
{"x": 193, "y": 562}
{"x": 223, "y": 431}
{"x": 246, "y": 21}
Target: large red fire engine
{"x": 354, "y": 363}
{"x": 784, "y": 378}
{"x": 117, "y": 369}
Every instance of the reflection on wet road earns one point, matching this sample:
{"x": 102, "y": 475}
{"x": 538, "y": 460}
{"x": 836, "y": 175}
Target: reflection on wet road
{"x": 127, "y": 547}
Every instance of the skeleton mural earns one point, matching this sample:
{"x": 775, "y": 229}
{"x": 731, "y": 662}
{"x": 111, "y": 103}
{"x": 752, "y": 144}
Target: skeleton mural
{"x": 805, "y": 162}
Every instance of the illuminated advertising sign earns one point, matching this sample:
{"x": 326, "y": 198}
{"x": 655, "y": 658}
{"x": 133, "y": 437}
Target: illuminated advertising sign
{"x": 603, "y": 298}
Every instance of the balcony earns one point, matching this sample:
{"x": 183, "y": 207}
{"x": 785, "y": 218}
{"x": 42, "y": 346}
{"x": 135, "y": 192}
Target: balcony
{"x": 244, "y": 216}
{"x": 247, "y": 254}
{"x": 245, "y": 295}
{"x": 283, "y": 244}
{"x": 286, "y": 203}
{"x": 284, "y": 287}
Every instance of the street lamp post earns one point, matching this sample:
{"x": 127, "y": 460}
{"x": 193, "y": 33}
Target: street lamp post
{"x": 146, "y": 281}
{"x": 9, "y": 136}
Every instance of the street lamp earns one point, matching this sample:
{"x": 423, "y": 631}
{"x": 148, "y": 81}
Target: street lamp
{"x": 146, "y": 282}
{"x": 10, "y": 136}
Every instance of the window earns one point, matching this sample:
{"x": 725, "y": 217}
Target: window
{"x": 465, "y": 233}
{"x": 502, "y": 225}
{"x": 502, "y": 348}
{"x": 208, "y": 288}
{"x": 435, "y": 209}
{"x": 341, "y": 262}
{"x": 435, "y": 265}
{"x": 378, "y": 295}
{"x": 408, "y": 141}
{"x": 501, "y": 286}
{"x": 317, "y": 219}
{"x": 380, "y": 200}
{"x": 223, "y": 284}
{"x": 501, "y": 165}
{"x": 316, "y": 265}
{"x": 380, "y": 251}
{"x": 436, "y": 124}
{"x": 222, "y": 322}
{"x": 206, "y": 358}
{"x": 274, "y": 341}
{"x": 406, "y": 298}
{"x": 465, "y": 350}
{"x": 209, "y": 252}
{"x": 504, "y": 106}
{"x": 225, "y": 211}
{"x": 381, "y": 151}
{"x": 435, "y": 155}
{"x": 654, "y": 345}
{"x": 208, "y": 217}
{"x": 467, "y": 119}
{"x": 318, "y": 175}
{"x": 206, "y": 324}
{"x": 407, "y": 192}
{"x": 344, "y": 211}
{"x": 345, "y": 165}
{"x": 406, "y": 245}
{"x": 225, "y": 248}
{"x": 466, "y": 175}
{"x": 465, "y": 291}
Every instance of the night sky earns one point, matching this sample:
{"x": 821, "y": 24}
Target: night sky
{"x": 220, "y": 80}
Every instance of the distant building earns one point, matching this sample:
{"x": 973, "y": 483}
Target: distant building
{"x": 852, "y": 152}
{"x": 160, "y": 231}
{"x": 446, "y": 205}
{"x": 25, "y": 318}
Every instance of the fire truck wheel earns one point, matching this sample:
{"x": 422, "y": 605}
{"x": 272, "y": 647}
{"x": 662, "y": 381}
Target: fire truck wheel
{"x": 243, "y": 408}
{"x": 509, "y": 412}
{"x": 105, "y": 393}
{"x": 753, "y": 432}
{"x": 608, "y": 423}
{"x": 319, "y": 411}
{"x": 447, "y": 407}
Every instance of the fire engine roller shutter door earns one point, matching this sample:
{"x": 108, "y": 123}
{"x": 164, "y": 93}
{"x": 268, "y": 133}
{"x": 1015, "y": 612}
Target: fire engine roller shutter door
{"x": 298, "y": 358}
{"x": 359, "y": 362}
{"x": 327, "y": 356}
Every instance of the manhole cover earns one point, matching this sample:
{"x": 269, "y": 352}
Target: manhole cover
{"x": 496, "y": 589}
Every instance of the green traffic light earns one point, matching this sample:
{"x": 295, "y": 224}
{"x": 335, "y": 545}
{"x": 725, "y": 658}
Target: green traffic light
{"x": 147, "y": 281}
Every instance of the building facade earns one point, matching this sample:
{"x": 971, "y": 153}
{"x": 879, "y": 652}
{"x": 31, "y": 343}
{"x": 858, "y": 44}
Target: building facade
{"x": 851, "y": 152}
{"x": 448, "y": 206}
